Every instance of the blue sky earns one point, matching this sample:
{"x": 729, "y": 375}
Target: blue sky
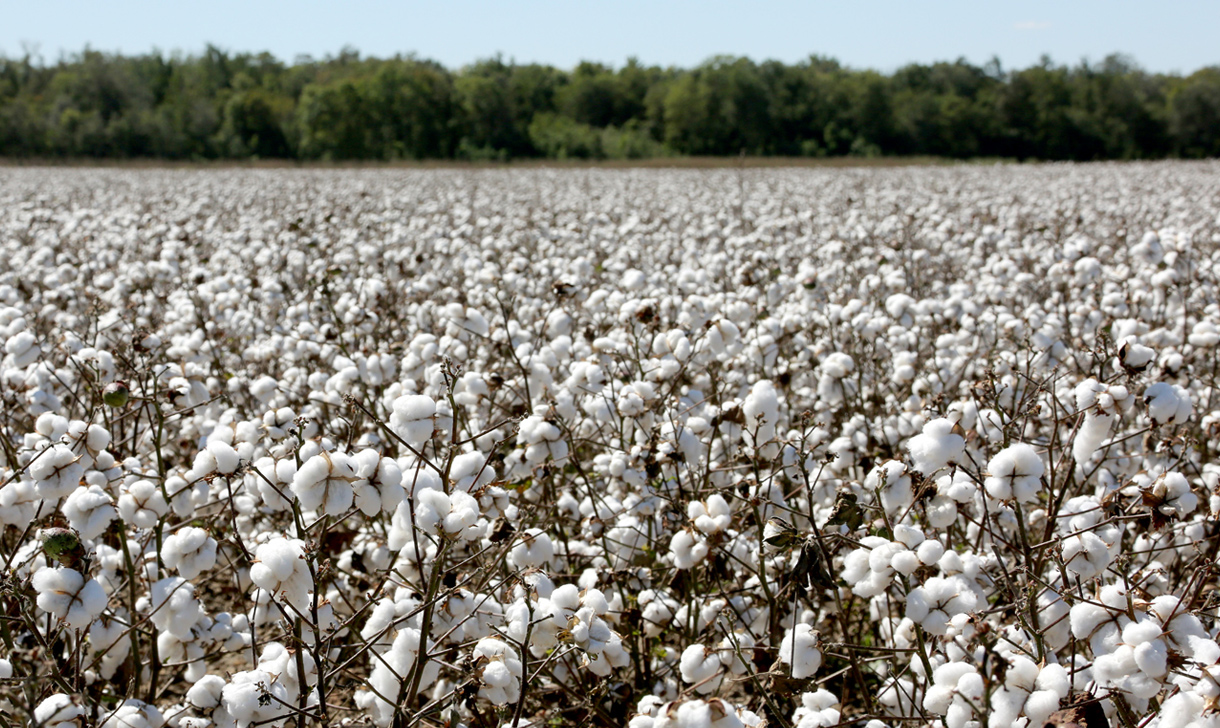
{"x": 881, "y": 34}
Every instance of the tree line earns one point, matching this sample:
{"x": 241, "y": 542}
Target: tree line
{"x": 219, "y": 105}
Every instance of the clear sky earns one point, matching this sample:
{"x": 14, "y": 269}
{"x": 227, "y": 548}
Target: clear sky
{"x": 1165, "y": 36}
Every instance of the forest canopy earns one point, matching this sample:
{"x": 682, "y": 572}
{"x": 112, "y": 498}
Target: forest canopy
{"x": 221, "y": 105}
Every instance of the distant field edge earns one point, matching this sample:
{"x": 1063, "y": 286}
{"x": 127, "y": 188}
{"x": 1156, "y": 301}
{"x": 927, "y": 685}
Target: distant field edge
{"x": 654, "y": 163}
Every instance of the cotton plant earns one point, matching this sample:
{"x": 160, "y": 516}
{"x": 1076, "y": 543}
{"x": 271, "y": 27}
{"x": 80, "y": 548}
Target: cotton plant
{"x": 521, "y": 443}
{"x": 576, "y": 617}
{"x": 1029, "y": 693}
{"x": 880, "y": 562}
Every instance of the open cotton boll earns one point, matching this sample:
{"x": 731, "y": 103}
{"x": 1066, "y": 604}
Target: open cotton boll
{"x": 412, "y": 418}
{"x": 936, "y": 446}
{"x": 1090, "y": 436}
{"x": 701, "y": 668}
{"x": 142, "y": 504}
{"x": 1015, "y": 473}
{"x": 1168, "y": 404}
{"x": 818, "y": 709}
{"x": 761, "y": 410}
{"x": 1184, "y": 709}
{"x": 711, "y": 516}
{"x": 799, "y": 650}
{"x": 502, "y": 673}
{"x": 1172, "y": 495}
{"x": 174, "y": 607}
{"x": 934, "y": 603}
{"x": 19, "y": 501}
{"x": 533, "y": 550}
{"x": 541, "y": 438}
{"x": 894, "y": 482}
{"x": 379, "y": 485}
{"x": 66, "y": 595}
{"x": 190, "y": 551}
{"x": 281, "y": 569}
{"x": 390, "y": 670}
{"x": 133, "y": 714}
{"x": 1050, "y": 687}
{"x": 22, "y": 349}
{"x": 59, "y": 711}
{"x": 205, "y": 693}
{"x": 687, "y": 549}
{"x": 1085, "y": 555}
{"x": 1204, "y": 334}
{"x": 324, "y": 483}
{"x": 89, "y": 511}
{"x": 952, "y": 683}
{"x": 456, "y": 514}
{"x": 243, "y": 703}
{"x": 470, "y": 470}
{"x": 56, "y": 472}
{"x": 1134, "y": 356}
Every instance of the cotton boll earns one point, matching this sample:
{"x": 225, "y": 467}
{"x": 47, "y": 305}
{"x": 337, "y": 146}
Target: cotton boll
{"x": 533, "y": 550}
{"x": 1133, "y": 356}
{"x": 818, "y": 709}
{"x": 227, "y": 459}
{"x": 1039, "y": 706}
{"x": 174, "y": 607}
{"x": 390, "y": 670}
{"x": 1168, "y": 404}
{"x": 142, "y": 504}
{"x": 243, "y": 702}
{"x": 905, "y": 562}
{"x": 937, "y": 601}
{"x": 1085, "y": 555}
{"x": 379, "y": 485}
{"x": 89, "y": 511}
{"x": 412, "y": 419}
{"x": 761, "y": 410}
{"x": 1015, "y": 473}
{"x": 133, "y": 714}
{"x": 1172, "y": 495}
{"x": 894, "y": 483}
{"x": 930, "y": 551}
{"x": 56, "y": 472}
{"x": 687, "y": 549}
{"x": 190, "y": 551}
{"x": 936, "y": 446}
{"x": 1152, "y": 657}
{"x": 205, "y": 694}
{"x": 1182, "y": 709}
{"x": 324, "y": 483}
{"x": 1204, "y": 335}
{"x": 701, "y": 668}
{"x": 59, "y": 711}
{"x": 19, "y": 501}
{"x": 502, "y": 672}
{"x": 471, "y": 470}
{"x": 712, "y": 516}
{"x": 799, "y": 650}
{"x": 66, "y": 595}
{"x": 281, "y": 569}
{"x": 1090, "y": 436}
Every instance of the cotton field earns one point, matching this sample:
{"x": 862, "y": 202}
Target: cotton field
{"x": 700, "y": 449}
